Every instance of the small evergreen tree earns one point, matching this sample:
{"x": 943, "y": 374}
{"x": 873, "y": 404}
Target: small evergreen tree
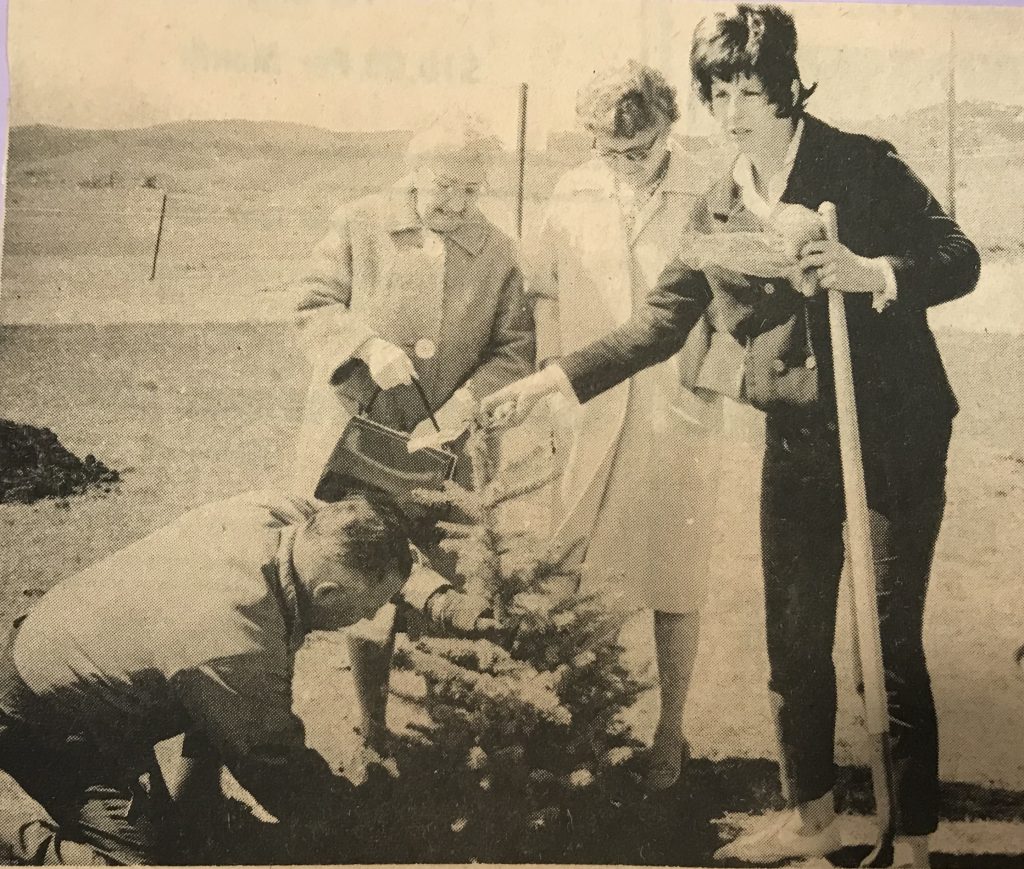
{"x": 529, "y": 718}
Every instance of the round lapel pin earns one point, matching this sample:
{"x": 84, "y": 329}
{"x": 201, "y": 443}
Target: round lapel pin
{"x": 425, "y": 348}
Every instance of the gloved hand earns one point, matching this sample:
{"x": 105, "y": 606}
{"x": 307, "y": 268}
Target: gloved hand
{"x": 389, "y": 365}
{"x": 454, "y": 419}
{"x": 798, "y": 226}
{"x": 510, "y": 406}
{"x": 460, "y": 612}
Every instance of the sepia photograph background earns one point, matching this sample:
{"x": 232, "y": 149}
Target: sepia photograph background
{"x": 241, "y": 125}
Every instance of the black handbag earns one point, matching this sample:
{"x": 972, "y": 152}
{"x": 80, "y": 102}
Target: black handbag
{"x": 375, "y": 455}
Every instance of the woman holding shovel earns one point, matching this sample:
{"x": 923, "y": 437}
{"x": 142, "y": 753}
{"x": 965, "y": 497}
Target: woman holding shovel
{"x": 897, "y": 254}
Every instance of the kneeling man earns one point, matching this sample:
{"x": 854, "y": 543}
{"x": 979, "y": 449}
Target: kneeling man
{"x": 192, "y": 630}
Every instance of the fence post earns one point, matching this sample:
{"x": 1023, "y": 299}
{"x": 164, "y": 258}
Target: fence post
{"x": 159, "y": 233}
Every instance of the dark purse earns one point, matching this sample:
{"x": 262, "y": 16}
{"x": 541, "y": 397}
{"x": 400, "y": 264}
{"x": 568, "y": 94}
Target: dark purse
{"x": 781, "y": 369}
{"x": 375, "y": 455}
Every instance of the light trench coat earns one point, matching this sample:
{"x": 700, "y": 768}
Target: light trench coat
{"x": 641, "y": 461}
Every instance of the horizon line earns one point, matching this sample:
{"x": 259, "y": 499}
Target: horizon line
{"x": 941, "y": 104}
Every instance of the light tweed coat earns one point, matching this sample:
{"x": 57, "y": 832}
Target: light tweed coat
{"x": 370, "y": 276}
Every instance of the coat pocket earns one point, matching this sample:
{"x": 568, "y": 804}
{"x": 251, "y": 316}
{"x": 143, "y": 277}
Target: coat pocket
{"x": 781, "y": 368}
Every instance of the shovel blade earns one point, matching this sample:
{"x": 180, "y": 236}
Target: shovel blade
{"x": 883, "y": 782}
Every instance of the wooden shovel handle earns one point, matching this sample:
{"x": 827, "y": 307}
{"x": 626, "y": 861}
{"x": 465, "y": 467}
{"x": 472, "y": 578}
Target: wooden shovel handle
{"x": 861, "y": 555}
{"x": 868, "y": 663}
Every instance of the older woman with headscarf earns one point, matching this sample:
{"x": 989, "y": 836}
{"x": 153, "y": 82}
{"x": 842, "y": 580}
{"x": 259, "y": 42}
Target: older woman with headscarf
{"x": 640, "y": 479}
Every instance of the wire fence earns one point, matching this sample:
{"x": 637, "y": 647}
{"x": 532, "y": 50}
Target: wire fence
{"x": 224, "y": 229}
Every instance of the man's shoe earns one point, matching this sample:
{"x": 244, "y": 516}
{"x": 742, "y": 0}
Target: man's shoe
{"x": 782, "y": 839}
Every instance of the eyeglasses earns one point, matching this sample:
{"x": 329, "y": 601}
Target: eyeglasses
{"x": 449, "y": 187}
{"x": 635, "y": 154}
{"x": 453, "y": 188}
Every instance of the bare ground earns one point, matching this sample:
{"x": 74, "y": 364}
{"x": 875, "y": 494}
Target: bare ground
{"x": 191, "y": 413}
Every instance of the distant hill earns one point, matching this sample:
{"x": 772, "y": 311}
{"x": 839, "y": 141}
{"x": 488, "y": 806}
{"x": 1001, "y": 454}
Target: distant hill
{"x": 194, "y": 156}
{"x": 280, "y": 166}
{"x": 43, "y": 142}
{"x": 981, "y": 126}
{"x": 38, "y": 142}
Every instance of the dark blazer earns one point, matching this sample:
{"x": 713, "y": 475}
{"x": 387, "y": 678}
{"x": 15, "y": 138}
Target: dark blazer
{"x": 884, "y": 210}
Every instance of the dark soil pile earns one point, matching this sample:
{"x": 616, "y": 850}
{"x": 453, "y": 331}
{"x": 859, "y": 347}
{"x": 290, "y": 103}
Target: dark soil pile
{"x": 34, "y": 465}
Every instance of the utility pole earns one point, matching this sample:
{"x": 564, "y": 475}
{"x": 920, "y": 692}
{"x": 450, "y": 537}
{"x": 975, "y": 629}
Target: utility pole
{"x": 645, "y": 14}
{"x": 521, "y": 148}
{"x": 655, "y": 34}
{"x": 951, "y": 118}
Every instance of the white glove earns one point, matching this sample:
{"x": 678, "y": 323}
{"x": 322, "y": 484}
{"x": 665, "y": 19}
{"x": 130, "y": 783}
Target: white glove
{"x": 563, "y": 419}
{"x": 510, "y": 406}
{"x": 389, "y": 365}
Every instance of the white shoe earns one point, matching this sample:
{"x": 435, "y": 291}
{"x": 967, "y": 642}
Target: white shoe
{"x": 780, "y": 839}
{"x": 911, "y": 853}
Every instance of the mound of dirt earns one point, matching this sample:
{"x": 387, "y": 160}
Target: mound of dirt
{"x": 34, "y": 465}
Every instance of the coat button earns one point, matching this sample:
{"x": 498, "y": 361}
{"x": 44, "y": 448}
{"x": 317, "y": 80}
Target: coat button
{"x": 425, "y": 348}
{"x": 769, "y": 289}
{"x": 779, "y": 366}
{"x": 811, "y": 363}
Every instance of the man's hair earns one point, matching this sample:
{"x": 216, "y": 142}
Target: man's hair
{"x": 625, "y": 101}
{"x": 758, "y": 41}
{"x": 367, "y": 534}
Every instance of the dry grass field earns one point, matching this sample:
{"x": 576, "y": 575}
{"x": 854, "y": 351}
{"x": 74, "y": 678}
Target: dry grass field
{"x": 191, "y": 387}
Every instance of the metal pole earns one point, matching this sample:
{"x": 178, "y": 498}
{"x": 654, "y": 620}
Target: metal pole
{"x": 645, "y": 13}
{"x": 159, "y": 233}
{"x": 862, "y": 571}
{"x": 951, "y": 117}
{"x": 522, "y": 159}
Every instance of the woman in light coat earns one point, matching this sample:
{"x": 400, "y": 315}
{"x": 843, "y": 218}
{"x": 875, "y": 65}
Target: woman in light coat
{"x": 641, "y": 461}
{"x": 411, "y": 281}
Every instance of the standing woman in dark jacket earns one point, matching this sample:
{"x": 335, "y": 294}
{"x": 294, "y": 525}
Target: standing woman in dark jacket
{"x": 898, "y": 253}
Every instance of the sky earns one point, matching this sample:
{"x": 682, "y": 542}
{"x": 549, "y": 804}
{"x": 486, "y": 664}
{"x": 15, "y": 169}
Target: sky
{"x": 390, "y": 64}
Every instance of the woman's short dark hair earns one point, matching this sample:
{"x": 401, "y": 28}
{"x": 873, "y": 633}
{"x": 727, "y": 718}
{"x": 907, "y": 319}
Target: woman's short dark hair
{"x": 626, "y": 100}
{"x": 758, "y": 41}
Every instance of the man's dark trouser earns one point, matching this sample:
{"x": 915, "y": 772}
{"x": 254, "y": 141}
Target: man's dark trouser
{"x": 89, "y": 799}
{"x": 802, "y": 515}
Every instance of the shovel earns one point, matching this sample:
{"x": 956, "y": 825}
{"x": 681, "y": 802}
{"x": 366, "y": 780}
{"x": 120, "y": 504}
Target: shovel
{"x": 868, "y": 667}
